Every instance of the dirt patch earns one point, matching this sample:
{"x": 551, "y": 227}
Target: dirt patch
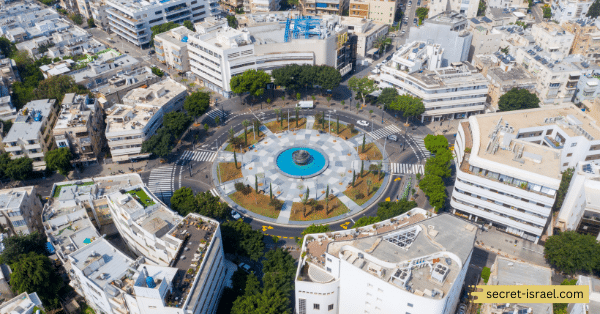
{"x": 228, "y": 171}
{"x": 318, "y": 210}
{"x": 241, "y": 143}
{"x": 344, "y": 131}
{"x": 371, "y": 152}
{"x": 280, "y": 126}
{"x": 256, "y": 203}
{"x": 361, "y": 187}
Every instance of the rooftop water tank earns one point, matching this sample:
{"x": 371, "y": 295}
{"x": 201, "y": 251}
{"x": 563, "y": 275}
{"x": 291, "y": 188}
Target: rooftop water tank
{"x": 150, "y": 282}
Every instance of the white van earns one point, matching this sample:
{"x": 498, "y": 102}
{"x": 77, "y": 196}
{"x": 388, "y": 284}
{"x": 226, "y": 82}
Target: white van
{"x": 306, "y": 104}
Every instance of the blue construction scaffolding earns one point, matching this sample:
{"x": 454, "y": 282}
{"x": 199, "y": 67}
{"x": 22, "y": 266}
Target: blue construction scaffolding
{"x": 307, "y": 26}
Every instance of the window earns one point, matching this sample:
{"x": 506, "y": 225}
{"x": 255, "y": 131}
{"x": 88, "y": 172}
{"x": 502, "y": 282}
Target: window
{"x": 573, "y": 144}
{"x": 316, "y": 306}
{"x": 330, "y": 307}
{"x": 549, "y": 132}
{"x": 410, "y": 305}
{"x": 329, "y": 259}
{"x": 302, "y": 306}
{"x": 158, "y": 12}
{"x": 569, "y": 154}
{"x": 328, "y": 269}
{"x": 565, "y": 164}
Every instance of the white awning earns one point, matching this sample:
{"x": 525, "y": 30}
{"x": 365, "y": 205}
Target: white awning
{"x": 372, "y": 51}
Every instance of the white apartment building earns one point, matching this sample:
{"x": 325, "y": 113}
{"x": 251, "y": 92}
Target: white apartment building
{"x": 456, "y": 91}
{"x": 569, "y": 10}
{"x": 101, "y": 70}
{"x": 325, "y": 7}
{"x": 580, "y": 210}
{"x": 29, "y": 135}
{"x": 217, "y": 52}
{"x": 378, "y": 11}
{"x": 20, "y": 210}
{"x": 594, "y": 291}
{"x": 553, "y": 39}
{"x": 407, "y": 264}
{"x": 171, "y": 48}
{"x": 588, "y": 88}
{"x": 466, "y": 7}
{"x": 261, "y": 6}
{"x": 8, "y": 75}
{"x": 508, "y": 272}
{"x": 119, "y": 85}
{"x": 510, "y": 165}
{"x": 24, "y": 303}
{"x": 587, "y": 38}
{"x": 366, "y": 31}
{"x": 140, "y": 115}
{"x": 507, "y": 4}
{"x": 133, "y": 20}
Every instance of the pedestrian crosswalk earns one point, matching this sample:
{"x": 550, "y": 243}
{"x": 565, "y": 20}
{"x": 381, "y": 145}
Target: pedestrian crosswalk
{"x": 383, "y": 132}
{"x": 421, "y": 146}
{"x": 406, "y": 168}
{"x": 217, "y": 113}
{"x": 214, "y": 192}
{"x": 198, "y": 155}
{"x": 161, "y": 182}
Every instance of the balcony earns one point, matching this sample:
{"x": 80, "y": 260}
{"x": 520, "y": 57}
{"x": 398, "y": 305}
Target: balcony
{"x": 121, "y": 15}
{"x": 552, "y": 143}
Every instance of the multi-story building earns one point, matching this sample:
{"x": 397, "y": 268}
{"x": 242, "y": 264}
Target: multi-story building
{"x": 557, "y": 79}
{"x": 98, "y": 12}
{"x": 8, "y": 75}
{"x": 501, "y": 17}
{"x": 57, "y": 68}
{"x": 507, "y": 4}
{"x": 503, "y": 74}
{"x": 485, "y": 39}
{"x": 261, "y": 6}
{"x": 30, "y": 134}
{"x": 570, "y": 10}
{"x": 588, "y": 89}
{"x": 587, "y": 38}
{"x": 79, "y": 127}
{"x": 449, "y": 30}
{"x": 171, "y": 48}
{"x": 508, "y": 272}
{"x": 366, "y": 31}
{"x": 20, "y": 210}
{"x": 189, "y": 280}
{"x": 456, "y": 91}
{"x": 466, "y": 7}
{"x": 553, "y": 39}
{"x": 407, "y": 264}
{"x": 140, "y": 115}
{"x": 510, "y": 165}
{"x": 379, "y": 11}
{"x": 324, "y": 7}
{"x": 24, "y": 303}
{"x": 98, "y": 72}
{"x": 132, "y": 20}
{"x": 594, "y": 292}
{"x": 268, "y": 41}
{"x": 118, "y": 86}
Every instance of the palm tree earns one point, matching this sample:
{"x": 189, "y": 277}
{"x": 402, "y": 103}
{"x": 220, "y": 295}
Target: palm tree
{"x": 246, "y": 123}
{"x": 381, "y": 43}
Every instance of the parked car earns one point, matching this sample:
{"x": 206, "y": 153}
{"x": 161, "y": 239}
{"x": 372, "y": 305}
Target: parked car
{"x": 306, "y": 104}
{"x": 362, "y": 123}
{"x": 415, "y": 21}
{"x": 409, "y": 3}
{"x": 393, "y": 138}
{"x": 235, "y": 215}
{"x": 245, "y": 267}
{"x": 403, "y": 32}
{"x": 389, "y": 58}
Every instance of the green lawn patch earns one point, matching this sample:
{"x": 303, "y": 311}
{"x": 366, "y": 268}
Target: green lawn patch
{"x": 141, "y": 196}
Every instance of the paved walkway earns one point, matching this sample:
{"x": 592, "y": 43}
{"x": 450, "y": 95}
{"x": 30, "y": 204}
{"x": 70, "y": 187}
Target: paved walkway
{"x": 310, "y": 121}
{"x": 284, "y": 214}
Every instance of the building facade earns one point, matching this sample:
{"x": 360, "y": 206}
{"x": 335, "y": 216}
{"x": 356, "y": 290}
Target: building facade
{"x": 20, "y": 210}
{"x": 569, "y": 10}
{"x": 466, "y": 7}
{"x": 366, "y": 31}
{"x": 171, "y": 48}
{"x": 30, "y": 134}
{"x": 378, "y": 11}
{"x": 324, "y": 7}
{"x": 587, "y": 38}
{"x": 380, "y": 268}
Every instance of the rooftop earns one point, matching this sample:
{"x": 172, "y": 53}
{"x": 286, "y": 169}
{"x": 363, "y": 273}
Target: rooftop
{"x": 77, "y": 110}
{"x": 516, "y": 73}
{"x": 447, "y": 18}
{"x": 13, "y": 198}
{"x": 104, "y": 64}
{"x": 23, "y": 303}
{"x": 100, "y": 262}
{"x": 177, "y": 36}
{"x": 29, "y": 121}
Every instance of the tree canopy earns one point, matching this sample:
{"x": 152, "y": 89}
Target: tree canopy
{"x": 252, "y": 81}
{"x": 279, "y": 268}
{"x": 295, "y": 76}
{"x": 76, "y": 18}
{"x": 563, "y": 188}
{"x": 34, "y": 272}
{"x": 239, "y": 238}
{"x": 161, "y": 28}
{"x": 159, "y": 144}
{"x": 594, "y": 10}
{"x": 158, "y": 72}
{"x": 204, "y": 203}
{"x": 269, "y": 301}
{"x": 388, "y": 96}
{"x": 176, "y": 122}
{"x": 422, "y": 13}
{"x": 18, "y": 245}
{"x": 434, "y": 143}
{"x": 572, "y": 252}
{"x": 197, "y": 103}
{"x": 410, "y": 106}
{"x": 440, "y": 164}
{"x": 362, "y": 86}
{"x": 59, "y": 160}
{"x": 434, "y": 188}
{"x": 189, "y": 25}
{"x": 313, "y": 229}
{"x": 517, "y": 99}
{"x": 365, "y": 221}
{"x": 91, "y": 23}
{"x": 56, "y": 87}
{"x": 232, "y": 21}
{"x": 17, "y": 169}
{"x": 387, "y": 210}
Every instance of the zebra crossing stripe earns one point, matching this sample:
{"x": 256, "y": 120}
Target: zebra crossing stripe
{"x": 383, "y": 132}
{"x": 199, "y": 155}
{"x": 407, "y": 168}
{"x": 217, "y": 113}
{"x": 214, "y": 192}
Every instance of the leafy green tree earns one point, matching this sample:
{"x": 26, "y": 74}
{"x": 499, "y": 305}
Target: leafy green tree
{"x": 76, "y": 18}
{"x": 481, "y": 8}
{"x": 434, "y": 143}
{"x": 410, "y": 106}
{"x": 594, "y": 10}
{"x": 19, "y": 245}
{"x": 388, "y": 96}
{"x": 327, "y": 77}
{"x": 382, "y": 42}
{"x": 517, "y": 99}
{"x": 561, "y": 308}
{"x": 34, "y": 272}
{"x": 56, "y": 87}
{"x": 158, "y": 72}
{"x": 19, "y": 169}
{"x": 239, "y": 238}
{"x": 485, "y": 274}
{"x": 6, "y": 47}
{"x": 176, "y": 122}
{"x": 251, "y": 81}
{"x": 573, "y": 252}
{"x": 287, "y": 76}
{"x": 440, "y": 164}
{"x": 548, "y": 12}
{"x": 160, "y": 143}
{"x": 362, "y": 86}
{"x": 434, "y": 188}
{"x": 59, "y": 159}
{"x": 197, "y": 103}
{"x": 365, "y": 221}
{"x": 182, "y": 201}
{"x": 161, "y": 28}
{"x": 279, "y": 268}
{"x": 252, "y": 285}
{"x": 232, "y": 21}
{"x": 312, "y": 229}
{"x": 189, "y": 25}
{"x": 563, "y": 188}
{"x": 91, "y": 23}
{"x": 387, "y": 210}
{"x": 268, "y": 302}
{"x": 421, "y": 13}
{"x": 204, "y": 203}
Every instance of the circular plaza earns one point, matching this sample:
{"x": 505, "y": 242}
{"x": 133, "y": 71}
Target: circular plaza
{"x": 299, "y": 176}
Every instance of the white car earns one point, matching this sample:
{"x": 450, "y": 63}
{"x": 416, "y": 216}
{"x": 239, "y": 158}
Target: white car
{"x": 403, "y": 32}
{"x": 362, "y": 123}
{"x": 235, "y": 215}
{"x": 245, "y": 267}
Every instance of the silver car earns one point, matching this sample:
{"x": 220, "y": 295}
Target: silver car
{"x": 393, "y": 138}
